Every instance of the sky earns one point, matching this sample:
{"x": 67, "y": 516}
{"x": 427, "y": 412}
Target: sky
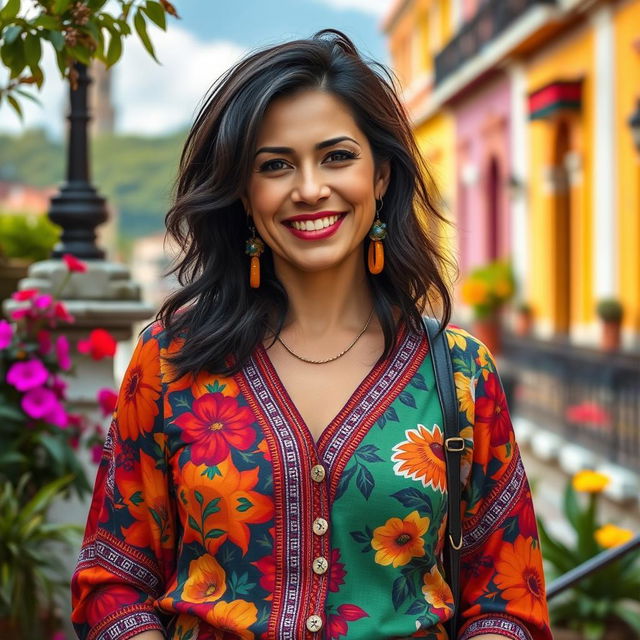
{"x": 211, "y": 35}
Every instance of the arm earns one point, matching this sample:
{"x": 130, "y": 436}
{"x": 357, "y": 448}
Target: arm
{"x": 128, "y": 549}
{"x": 502, "y": 580}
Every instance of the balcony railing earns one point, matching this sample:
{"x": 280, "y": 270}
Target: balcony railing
{"x": 491, "y": 20}
{"x": 590, "y": 397}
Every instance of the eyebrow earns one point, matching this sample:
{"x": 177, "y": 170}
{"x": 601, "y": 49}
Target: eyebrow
{"x": 321, "y": 145}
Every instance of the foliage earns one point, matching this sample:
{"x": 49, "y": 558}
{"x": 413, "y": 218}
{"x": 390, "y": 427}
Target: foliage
{"x": 488, "y": 287}
{"x": 30, "y": 566}
{"x": 135, "y": 173}
{"x": 602, "y": 599}
{"x": 609, "y": 310}
{"x": 38, "y": 435}
{"x": 77, "y": 30}
{"x": 28, "y": 237}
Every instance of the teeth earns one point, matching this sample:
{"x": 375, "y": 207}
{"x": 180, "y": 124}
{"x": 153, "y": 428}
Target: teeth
{"x": 314, "y": 225}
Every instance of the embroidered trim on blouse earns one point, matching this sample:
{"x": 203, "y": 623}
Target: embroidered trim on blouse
{"x": 497, "y": 506}
{"x": 121, "y": 628}
{"x": 109, "y": 553}
{"x": 503, "y": 626}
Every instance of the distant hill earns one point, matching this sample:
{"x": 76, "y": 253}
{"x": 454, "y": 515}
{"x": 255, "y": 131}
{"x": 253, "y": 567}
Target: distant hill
{"x": 134, "y": 173}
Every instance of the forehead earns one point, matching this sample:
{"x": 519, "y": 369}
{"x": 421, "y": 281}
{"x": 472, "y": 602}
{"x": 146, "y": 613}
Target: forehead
{"x": 308, "y": 116}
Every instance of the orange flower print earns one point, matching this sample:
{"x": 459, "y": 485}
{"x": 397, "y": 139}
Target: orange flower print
{"x": 421, "y": 457}
{"x": 230, "y": 621}
{"x": 147, "y": 501}
{"x": 137, "y": 401}
{"x": 492, "y": 412}
{"x": 222, "y": 506}
{"x": 206, "y": 581}
{"x": 267, "y": 567}
{"x": 216, "y": 424}
{"x": 519, "y": 577}
{"x": 436, "y": 591}
{"x": 397, "y": 541}
{"x": 466, "y": 393}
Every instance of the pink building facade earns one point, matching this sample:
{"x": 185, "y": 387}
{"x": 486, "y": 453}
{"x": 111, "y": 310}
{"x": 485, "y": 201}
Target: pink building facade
{"x": 483, "y": 135}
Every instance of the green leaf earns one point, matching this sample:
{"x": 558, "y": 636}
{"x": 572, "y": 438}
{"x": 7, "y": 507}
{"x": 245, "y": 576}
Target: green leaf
{"x": 630, "y": 616}
{"x": 10, "y": 412}
{"x": 10, "y": 10}
{"x": 12, "y": 33}
{"x": 194, "y": 525}
{"x": 156, "y": 13}
{"x": 244, "y": 504}
{"x": 214, "y": 533}
{"x": 141, "y": 27}
{"x": 199, "y": 497}
{"x": 80, "y": 53}
{"x": 16, "y": 107}
{"x": 61, "y": 6}
{"x": 56, "y": 39}
{"x": 46, "y": 22}
{"x": 211, "y": 508}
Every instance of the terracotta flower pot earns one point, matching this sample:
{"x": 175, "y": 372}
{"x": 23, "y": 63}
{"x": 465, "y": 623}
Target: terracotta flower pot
{"x": 610, "y": 340}
{"x": 523, "y": 323}
{"x": 487, "y": 330}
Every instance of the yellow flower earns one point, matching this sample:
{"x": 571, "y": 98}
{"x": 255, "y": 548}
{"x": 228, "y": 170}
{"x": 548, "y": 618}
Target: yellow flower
{"x": 233, "y": 619}
{"x": 436, "y": 591}
{"x": 503, "y": 289}
{"x": 475, "y": 292}
{"x": 611, "y": 536}
{"x": 397, "y": 541}
{"x": 457, "y": 338}
{"x": 590, "y": 481}
{"x": 206, "y": 581}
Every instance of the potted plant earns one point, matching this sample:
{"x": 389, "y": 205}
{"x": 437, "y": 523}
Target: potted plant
{"x": 600, "y": 607}
{"x": 31, "y": 583}
{"x": 23, "y": 239}
{"x": 523, "y": 319}
{"x": 610, "y": 312}
{"x": 485, "y": 290}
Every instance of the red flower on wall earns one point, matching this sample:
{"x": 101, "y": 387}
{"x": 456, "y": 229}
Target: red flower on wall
{"x": 217, "y": 423}
{"x": 100, "y": 344}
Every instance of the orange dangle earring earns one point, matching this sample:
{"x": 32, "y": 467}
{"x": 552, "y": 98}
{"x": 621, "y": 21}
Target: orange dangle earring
{"x": 377, "y": 234}
{"x": 254, "y": 248}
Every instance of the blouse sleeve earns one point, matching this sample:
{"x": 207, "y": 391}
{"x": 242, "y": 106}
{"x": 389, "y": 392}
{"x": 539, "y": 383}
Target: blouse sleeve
{"x": 127, "y": 554}
{"x": 501, "y": 578}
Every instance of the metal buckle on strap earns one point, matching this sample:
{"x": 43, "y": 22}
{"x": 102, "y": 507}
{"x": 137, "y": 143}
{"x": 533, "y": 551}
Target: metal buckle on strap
{"x": 453, "y": 544}
{"x": 454, "y": 444}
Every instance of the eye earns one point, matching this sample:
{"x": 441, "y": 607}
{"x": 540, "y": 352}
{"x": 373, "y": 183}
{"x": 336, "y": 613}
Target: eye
{"x": 341, "y": 155}
{"x": 273, "y": 165}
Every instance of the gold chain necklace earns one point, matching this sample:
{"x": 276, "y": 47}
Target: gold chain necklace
{"x": 282, "y": 342}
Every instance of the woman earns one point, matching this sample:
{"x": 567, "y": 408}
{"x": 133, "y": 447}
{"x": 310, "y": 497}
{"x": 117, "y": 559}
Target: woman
{"x": 274, "y": 467}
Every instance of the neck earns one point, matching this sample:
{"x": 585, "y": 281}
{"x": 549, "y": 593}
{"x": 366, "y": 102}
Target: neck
{"x": 326, "y": 303}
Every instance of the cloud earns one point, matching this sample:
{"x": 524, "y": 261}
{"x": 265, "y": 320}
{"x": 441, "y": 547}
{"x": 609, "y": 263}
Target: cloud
{"x": 375, "y": 7}
{"x": 149, "y": 98}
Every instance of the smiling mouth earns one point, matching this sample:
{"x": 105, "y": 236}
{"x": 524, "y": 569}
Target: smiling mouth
{"x": 318, "y": 224}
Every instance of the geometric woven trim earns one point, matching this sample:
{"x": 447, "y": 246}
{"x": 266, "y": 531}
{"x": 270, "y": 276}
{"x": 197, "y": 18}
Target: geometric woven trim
{"x": 505, "y": 626}
{"x": 122, "y": 627}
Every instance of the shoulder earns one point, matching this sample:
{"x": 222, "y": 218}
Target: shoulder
{"x": 467, "y": 351}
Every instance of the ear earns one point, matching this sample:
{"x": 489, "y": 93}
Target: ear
{"x": 382, "y": 177}
{"x": 245, "y": 204}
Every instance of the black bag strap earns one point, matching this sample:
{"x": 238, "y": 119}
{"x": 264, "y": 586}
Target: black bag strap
{"x": 453, "y": 448}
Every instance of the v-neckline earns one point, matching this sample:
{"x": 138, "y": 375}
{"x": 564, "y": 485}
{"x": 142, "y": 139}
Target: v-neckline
{"x": 365, "y": 384}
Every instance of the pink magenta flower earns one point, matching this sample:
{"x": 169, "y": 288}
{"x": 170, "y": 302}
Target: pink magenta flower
{"x": 62, "y": 353}
{"x": 18, "y": 314}
{"x": 6, "y": 334}
{"x": 39, "y": 402}
{"x": 58, "y": 386}
{"x": 42, "y": 301}
{"x": 27, "y": 375}
{"x": 100, "y": 344}
{"x": 57, "y": 415}
{"x": 44, "y": 341}
{"x": 25, "y": 294}
{"x": 107, "y": 399}
{"x": 73, "y": 264}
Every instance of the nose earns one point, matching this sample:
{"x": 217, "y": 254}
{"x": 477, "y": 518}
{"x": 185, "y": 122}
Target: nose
{"x": 310, "y": 187}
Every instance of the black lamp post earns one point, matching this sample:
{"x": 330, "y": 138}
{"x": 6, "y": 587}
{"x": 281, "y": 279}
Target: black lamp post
{"x": 634, "y": 123}
{"x": 78, "y": 208}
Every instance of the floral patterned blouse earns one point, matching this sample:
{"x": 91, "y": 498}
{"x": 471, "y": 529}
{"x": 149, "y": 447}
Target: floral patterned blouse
{"x": 215, "y": 515}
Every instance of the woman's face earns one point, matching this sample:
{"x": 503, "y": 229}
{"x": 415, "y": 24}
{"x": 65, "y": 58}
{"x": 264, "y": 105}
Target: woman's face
{"x": 313, "y": 184}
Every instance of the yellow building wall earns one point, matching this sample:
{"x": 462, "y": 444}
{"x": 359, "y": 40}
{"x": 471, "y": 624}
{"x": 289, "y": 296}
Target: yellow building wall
{"x": 569, "y": 58}
{"x": 436, "y": 140}
{"x": 627, "y": 61}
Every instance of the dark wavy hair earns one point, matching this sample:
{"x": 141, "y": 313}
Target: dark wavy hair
{"x": 220, "y": 317}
